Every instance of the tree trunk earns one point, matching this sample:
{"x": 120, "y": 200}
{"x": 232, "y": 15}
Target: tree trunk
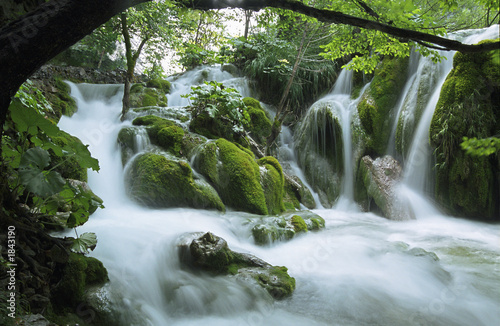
{"x": 126, "y": 95}
{"x": 248, "y": 16}
{"x": 282, "y": 109}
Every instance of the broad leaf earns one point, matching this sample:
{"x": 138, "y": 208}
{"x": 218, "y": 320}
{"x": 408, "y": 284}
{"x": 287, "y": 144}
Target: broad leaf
{"x": 35, "y": 178}
{"x": 84, "y": 242}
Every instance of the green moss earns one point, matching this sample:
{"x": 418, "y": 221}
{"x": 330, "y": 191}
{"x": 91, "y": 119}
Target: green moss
{"x": 161, "y": 84}
{"x": 137, "y": 88}
{"x": 317, "y": 223}
{"x": 272, "y": 181}
{"x": 143, "y": 97}
{"x": 298, "y": 224}
{"x": 379, "y": 100}
{"x": 467, "y": 107}
{"x": 260, "y": 125}
{"x": 282, "y": 288}
{"x": 157, "y": 181}
{"x": 163, "y": 132}
{"x": 234, "y": 174}
{"x": 79, "y": 272}
{"x": 212, "y": 128}
{"x": 68, "y": 167}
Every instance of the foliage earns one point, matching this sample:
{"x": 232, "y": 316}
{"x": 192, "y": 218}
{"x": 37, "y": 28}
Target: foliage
{"x": 219, "y": 102}
{"x": 25, "y": 155}
{"x": 481, "y": 147}
{"x": 192, "y": 55}
{"x": 366, "y": 47}
{"x": 270, "y": 59}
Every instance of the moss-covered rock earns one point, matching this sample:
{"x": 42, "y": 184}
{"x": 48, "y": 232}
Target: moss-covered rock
{"x": 260, "y": 124}
{"x": 213, "y": 128}
{"x": 141, "y": 96}
{"x": 211, "y": 253}
{"x": 272, "y": 180}
{"x": 234, "y": 174}
{"x": 68, "y": 167}
{"x": 162, "y": 132}
{"x": 377, "y": 103}
{"x": 271, "y": 229}
{"x": 157, "y": 181}
{"x": 159, "y": 83}
{"x": 319, "y": 147}
{"x": 297, "y": 193}
{"x": 79, "y": 273}
{"x": 468, "y": 107}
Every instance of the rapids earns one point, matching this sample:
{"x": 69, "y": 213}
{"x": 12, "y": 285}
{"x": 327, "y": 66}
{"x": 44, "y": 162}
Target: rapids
{"x": 360, "y": 270}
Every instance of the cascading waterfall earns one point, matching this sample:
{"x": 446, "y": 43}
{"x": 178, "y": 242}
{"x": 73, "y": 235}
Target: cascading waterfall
{"x": 360, "y": 270}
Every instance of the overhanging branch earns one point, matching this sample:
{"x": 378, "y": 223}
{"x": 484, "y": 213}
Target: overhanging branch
{"x": 330, "y": 16}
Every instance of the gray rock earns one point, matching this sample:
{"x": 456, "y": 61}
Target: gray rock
{"x": 211, "y": 253}
{"x": 380, "y": 178}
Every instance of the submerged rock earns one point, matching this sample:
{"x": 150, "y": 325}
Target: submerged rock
{"x": 381, "y": 177}
{"x": 211, "y": 253}
{"x": 158, "y": 181}
{"x": 272, "y": 229}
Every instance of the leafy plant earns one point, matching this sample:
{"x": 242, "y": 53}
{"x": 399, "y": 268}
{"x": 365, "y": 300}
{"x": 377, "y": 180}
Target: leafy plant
{"x": 481, "y": 147}
{"x": 219, "y": 102}
{"x": 26, "y": 158}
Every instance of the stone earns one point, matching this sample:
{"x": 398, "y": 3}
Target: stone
{"x": 211, "y": 253}
{"x": 380, "y": 178}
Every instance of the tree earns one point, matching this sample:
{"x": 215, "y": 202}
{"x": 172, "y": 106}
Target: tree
{"x": 155, "y": 27}
{"x": 46, "y": 30}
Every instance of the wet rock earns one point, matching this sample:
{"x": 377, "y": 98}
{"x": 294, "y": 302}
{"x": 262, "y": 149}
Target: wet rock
{"x": 380, "y": 178}
{"x": 211, "y": 253}
{"x": 158, "y": 181}
{"x": 271, "y": 229}
{"x": 35, "y": 320}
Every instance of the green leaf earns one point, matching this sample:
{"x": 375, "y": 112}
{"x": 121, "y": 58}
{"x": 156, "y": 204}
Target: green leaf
{"x": 84, "y": 242}
{"x": 29, "y": 120}
{"x": 35, "y": 178}
{"x": 35, "y": 157}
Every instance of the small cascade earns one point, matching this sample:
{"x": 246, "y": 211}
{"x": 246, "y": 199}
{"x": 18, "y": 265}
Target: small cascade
{"x": 326, "y": 131}
{"x": 181, "y": 84}
{"x": 141, "y": 140}
{"x": 414, "y": 68}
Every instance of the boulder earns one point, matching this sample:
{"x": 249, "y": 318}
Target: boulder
{"x": 319, "y": 149}
{"x": 141, "y": 96}
{"x": 211, "y": 253}
{"x": 381, "y": 177}
{"x": 158, "y": 181}
{"x": 235, "y": 174}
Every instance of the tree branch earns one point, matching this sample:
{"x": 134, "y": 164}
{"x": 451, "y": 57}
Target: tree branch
{"x": 336, "y": 17}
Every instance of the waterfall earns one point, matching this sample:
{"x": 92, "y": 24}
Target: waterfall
{"x": 360, "y": 270}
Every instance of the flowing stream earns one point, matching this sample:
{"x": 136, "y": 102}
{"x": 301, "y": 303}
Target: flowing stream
{"x": 360, "y": 270}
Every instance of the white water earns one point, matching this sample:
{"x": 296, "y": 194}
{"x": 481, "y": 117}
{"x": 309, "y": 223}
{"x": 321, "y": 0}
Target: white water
{"x": 358, "y": 271}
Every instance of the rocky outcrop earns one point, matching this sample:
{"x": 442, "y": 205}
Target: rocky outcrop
{"x": 211, "y": 253}
{"x": 381, "y": 178}
{"x": 468, "y": 106}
